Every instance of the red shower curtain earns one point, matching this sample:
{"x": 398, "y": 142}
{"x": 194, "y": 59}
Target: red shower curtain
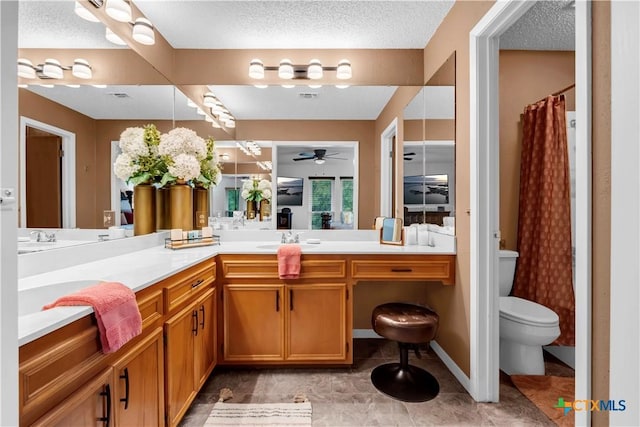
{"x": 544, "y": 269}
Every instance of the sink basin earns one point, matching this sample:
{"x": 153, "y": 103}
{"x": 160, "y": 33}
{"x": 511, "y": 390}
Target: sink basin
{"x": 33, "y": 246}
{"x": 277, "y": 245}
{"x": 33, "y": 299}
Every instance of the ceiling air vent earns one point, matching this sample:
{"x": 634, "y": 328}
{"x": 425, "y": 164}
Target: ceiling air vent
{"x": 119, "y": 94}
{"x": 308, "y": 95}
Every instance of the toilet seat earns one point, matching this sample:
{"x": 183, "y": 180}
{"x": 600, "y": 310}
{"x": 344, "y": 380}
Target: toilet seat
{"x": 527, "y": 312}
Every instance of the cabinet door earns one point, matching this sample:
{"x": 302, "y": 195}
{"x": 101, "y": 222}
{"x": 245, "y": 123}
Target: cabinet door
{"x": 317, "y": 322}
{"x": 253, "y": 322}
{"x": 139, "y": 384}
{"x": 180, "y": 331}
{"x": 90, "y": 405}
{"x": 205, "y": 342}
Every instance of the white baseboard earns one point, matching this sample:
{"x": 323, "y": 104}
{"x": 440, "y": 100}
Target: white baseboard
{"x": 365, "y": 333}
{"x": 452, "y": 366}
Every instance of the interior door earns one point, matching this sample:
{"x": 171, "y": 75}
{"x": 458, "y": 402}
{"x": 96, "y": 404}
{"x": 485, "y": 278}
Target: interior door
{"x": 44, "y": 181}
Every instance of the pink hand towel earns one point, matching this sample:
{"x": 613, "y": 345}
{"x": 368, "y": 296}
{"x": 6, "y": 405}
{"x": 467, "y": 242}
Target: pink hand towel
{"x": 289, "y": 261}
{"x": 116, "y": 311}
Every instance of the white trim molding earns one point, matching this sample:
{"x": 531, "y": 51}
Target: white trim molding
{"x": 624, "y": 371}
{"x": 484, "y": 41}
{"x": 68, "y": 170}
{"x": 386, "y": 139}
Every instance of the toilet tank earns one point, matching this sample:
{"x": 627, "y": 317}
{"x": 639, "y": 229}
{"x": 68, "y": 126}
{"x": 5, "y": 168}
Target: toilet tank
{"x": 506, "y": 271}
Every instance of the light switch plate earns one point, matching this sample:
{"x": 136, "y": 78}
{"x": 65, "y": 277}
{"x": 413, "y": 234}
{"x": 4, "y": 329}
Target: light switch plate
{"x": 109, "y": 218}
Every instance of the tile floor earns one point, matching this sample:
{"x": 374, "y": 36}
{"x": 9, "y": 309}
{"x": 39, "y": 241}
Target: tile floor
{"x": 346, "y": 397}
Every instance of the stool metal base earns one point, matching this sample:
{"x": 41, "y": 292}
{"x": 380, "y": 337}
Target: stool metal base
{"x": 408, "y": 384}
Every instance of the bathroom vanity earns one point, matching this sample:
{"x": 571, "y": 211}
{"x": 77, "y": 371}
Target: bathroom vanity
{"x": 201, "y": 307}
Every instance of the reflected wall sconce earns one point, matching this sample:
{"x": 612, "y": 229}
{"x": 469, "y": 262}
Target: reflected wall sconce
{"x": 250, "y": 148}
{"x": 120, "y": 10}
{"x": 266, "y": 165}
{"x": 288, "y": 71}
{"x": 52, "y": 69}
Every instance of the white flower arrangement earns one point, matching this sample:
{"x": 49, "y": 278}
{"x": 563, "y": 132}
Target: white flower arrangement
{"x": 210, "y": 172}
{"x": 185, "y": 167}
{"x": 139, "y": 161}
{"x": 256, "y": 190}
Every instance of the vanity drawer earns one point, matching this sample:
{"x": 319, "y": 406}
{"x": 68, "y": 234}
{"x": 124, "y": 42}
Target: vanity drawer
{"x": 267, "y": 268}
{"x": 188, "y": 284}
{"x": 431, "y": 267}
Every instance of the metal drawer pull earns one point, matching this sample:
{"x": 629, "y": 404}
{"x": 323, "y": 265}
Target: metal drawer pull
{"x": 198, "y": 283}
{"x": 125, "y": 377}
{"x": 291, "y": 299}
{"x": 401, "y": 270}
{"x": 194, "y": 314}
{"x": 202, "y": 310}
{"x": 107, "y": 393}
{"x": 277, "y": 300}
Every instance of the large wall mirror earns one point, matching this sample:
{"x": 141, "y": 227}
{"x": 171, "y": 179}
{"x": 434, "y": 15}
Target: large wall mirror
{"x": 429, "y": 150}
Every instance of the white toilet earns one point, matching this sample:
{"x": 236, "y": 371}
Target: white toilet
{"x": 525, "y": 326}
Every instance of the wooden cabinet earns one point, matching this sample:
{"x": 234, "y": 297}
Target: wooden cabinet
{"x": 253, "y": 322}
{"x": 298, "y": 323}
{"x": 317, "y": 322}
{"x": 90, "y": 405}
{"x": 139, "y": 384}
{"x": 404, "y": 267}
{"x": 189, "y": 354}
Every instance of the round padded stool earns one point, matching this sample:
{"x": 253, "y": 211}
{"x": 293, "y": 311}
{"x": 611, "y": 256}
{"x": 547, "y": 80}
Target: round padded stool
{"x": 409, "y": 325}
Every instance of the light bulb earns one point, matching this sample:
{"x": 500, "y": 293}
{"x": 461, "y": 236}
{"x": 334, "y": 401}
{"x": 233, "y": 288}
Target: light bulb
{"x": 343, "y": 72}
{"x": 52, "y": 68}
{"x": 143, "y": 32}
{"x": 81, "y": 69}
{"x": 314, "y": 71}
{"x": 119, "y": 10}
{"x": 84, "y": 13}
{"x": 114, "y": 38}
{"x": 25, "y": 69}
{"x": 256, "y": 69}
{"x": 285, "y": 71}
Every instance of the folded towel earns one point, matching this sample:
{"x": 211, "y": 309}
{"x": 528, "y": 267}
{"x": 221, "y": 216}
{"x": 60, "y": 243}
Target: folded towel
{"x": 289, "y": 261}
{"x": 116, "y": 311}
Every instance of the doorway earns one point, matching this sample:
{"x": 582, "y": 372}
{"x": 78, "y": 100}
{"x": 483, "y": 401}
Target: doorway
{"x": 65, "y": 156}
{"x": 485, "y": 233}
{"x": 387, "y": 170}
{"x": 43, "y": 179}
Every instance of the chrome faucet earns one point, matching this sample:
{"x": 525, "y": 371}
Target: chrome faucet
{"x": 43, "y": 236}
{"x": 289, "y": 237}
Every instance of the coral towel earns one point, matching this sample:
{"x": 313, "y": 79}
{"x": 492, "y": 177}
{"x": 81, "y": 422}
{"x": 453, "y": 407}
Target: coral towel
{"x": 116, "y": 311}
{"x": 289, "y": 261}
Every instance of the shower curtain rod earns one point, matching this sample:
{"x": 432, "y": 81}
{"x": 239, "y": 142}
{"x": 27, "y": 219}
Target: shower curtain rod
{"x": 561, "y": 91}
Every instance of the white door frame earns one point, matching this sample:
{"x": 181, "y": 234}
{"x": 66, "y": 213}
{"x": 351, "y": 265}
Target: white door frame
{"x": 484, "y": 185}
{"x": 386, "y": 159}
{"x": 68, "y": 170}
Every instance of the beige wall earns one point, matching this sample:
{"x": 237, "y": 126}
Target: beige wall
{"x": 525, "y": 77}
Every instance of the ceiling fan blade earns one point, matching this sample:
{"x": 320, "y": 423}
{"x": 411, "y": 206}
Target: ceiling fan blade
{"x": 409, "y": 154}
{"x": 302, "y": 158}
{"x": 309, "y": 155}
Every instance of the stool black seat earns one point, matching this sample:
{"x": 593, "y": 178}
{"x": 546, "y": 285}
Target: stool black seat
{"x": 409, "y": 325}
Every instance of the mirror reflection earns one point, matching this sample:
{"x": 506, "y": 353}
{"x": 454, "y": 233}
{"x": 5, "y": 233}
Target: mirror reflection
{"x": 429, "y": 150}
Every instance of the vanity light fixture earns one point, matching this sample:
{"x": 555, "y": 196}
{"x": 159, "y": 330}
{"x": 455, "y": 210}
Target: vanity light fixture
{"x": 84, "y": 13}
{"x": 266, "y": 165}
{"x": 209, "y": 99}
{"x": 143, "y": 32}
{"x": 230, "y": 123}
{"x": 52, "y": 69}
{"x": 113, "y": 37}
{"x": 250, "y": 148}
{"x": 289, "y": 71}
{"x": 120, "y": 10}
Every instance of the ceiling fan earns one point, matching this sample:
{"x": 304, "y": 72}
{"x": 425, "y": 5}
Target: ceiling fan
{"x": 409, "y": 156}
{"x": 319, "y": 156}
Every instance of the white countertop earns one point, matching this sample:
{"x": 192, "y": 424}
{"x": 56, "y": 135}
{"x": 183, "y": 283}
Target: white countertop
{"x": 142, "y": 268}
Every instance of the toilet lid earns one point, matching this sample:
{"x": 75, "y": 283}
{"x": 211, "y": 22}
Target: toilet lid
{"x": 528, "y": 312}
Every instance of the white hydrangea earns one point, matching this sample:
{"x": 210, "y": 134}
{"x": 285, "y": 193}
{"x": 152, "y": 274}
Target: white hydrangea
{"x": 182, "y": 141}
{"x": 266, "y": 194}
{"x": 124, "y": 166}
{"x": 185, "y": 166}
{"x": 245, "y": 193}
{"x": 264, "y": 185}
{"x": 132, "y": 142}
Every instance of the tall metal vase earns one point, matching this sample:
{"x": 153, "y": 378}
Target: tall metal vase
{"x": 200, "y": 207}
{"x": 251, "y": 209}
{"x": 144, "y": 211}
{"x": 163, "y": 208}
{"x": 181, "y": 202}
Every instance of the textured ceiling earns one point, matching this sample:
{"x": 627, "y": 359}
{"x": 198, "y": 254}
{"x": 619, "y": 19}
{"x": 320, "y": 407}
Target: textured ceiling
{"x": 548, "y": 25}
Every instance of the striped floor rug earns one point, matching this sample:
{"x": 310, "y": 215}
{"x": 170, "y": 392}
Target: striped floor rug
{"x": 260, "y": 414}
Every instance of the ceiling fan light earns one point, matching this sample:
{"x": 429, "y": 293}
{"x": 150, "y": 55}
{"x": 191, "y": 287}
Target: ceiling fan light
{"x": 84, "y": 13}
{"x": 25, "y": 69}
{"x": 319, "y": 161}
{"x": 114, "y": 38}
{"x": 256, "y": 69}
{"x": 209, "y": 99}
{"x": 143, "y": 32}
{"x": 285, "y": 71}
{"x": 314, "y": 70}
{"x": 343, "y": 72}
{"x": 81, "y": 69}
{"x": 52, "y": 68}
{"x": 119, "y": 10}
